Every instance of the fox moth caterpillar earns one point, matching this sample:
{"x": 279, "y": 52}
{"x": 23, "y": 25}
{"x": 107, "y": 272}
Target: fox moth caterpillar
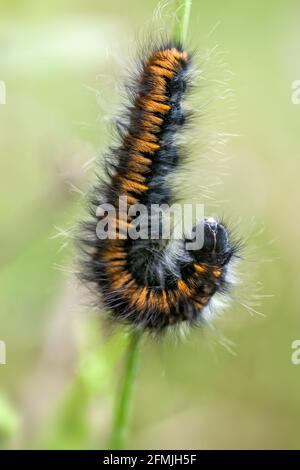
{"x": 153, "y": 283}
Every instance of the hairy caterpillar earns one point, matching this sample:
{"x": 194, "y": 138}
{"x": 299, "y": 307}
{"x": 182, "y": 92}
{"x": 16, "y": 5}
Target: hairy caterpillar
{"x": 153, "y": 283}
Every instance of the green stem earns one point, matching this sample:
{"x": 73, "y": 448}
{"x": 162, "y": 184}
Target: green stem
{"x": 125, "y": 394}
{"x": 182, "y": 20}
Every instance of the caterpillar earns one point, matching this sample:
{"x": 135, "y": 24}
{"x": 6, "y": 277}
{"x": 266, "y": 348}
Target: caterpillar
{"x": 153, "y": 284}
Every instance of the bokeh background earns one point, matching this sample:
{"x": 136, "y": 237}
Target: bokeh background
{"x": 230, "y": 386}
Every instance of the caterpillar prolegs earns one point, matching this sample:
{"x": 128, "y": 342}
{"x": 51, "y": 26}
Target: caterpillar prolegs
{"x": 153, "y": 283}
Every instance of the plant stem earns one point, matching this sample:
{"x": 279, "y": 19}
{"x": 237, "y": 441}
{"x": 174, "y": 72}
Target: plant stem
{"x": 125, "y": 394}
{"x": 182, "y": 20}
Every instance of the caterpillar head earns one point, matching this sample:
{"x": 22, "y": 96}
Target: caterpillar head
{"x": 213, "y": 250}
{"x": 210, "y": 242}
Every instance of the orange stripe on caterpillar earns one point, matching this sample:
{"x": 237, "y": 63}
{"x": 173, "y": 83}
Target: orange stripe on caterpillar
{"x": 183, "y": 288}
{"x": 129, "y": 185}
{"x": 200, "y": 268}
{"x": 154, "y": 106}
{"x": 142, "y": 145}
{"x": 140, "y": 159}
{"x": 156, "y": 70}
{"x": 131, "y": 200}
{"x": 136, "y": 177}
{"x": 216, "y": 272}
{"x": 153, "y": 119}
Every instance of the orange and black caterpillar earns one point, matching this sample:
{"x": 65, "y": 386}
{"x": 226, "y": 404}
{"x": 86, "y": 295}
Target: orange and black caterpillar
{"x": 152, "y": 284}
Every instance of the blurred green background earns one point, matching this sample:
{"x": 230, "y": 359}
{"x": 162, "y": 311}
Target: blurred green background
{"x": 232, "y": 387}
